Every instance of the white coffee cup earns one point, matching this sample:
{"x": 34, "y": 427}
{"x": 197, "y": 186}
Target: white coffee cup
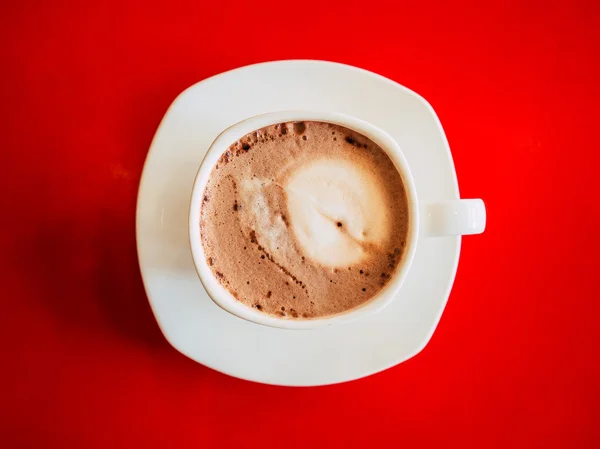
{"x": 426, "y": 219}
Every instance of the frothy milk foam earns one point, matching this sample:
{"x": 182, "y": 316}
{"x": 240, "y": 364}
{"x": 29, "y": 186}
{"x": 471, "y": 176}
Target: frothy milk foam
{"x": 304, "y": 220}
{"x": 334, "y": 208}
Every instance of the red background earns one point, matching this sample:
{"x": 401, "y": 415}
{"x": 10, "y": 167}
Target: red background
{"x": 514, "y": 362}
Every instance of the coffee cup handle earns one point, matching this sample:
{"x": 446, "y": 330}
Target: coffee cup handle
{"x": 452, "y": 217}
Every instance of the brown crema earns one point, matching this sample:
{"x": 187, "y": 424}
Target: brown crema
{"x": 252, "y": 236}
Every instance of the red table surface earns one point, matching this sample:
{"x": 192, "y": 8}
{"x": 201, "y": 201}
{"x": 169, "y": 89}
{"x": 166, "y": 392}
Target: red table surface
{"x": 514, "y": 361}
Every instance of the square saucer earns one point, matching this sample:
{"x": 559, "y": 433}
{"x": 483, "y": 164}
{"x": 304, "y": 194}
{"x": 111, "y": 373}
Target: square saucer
{"x": 190, "y": 320}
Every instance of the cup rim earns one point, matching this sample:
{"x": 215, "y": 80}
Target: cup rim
{"x": 221, "y": 296}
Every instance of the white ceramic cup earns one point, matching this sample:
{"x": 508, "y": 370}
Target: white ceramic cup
{"x": 426, "y": 219}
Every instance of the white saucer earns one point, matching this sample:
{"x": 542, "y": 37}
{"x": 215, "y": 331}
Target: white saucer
{"x": 198, "y": 328}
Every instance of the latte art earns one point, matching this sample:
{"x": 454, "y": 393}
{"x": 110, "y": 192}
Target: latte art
{"x": 336, "y": 210}
{"x": 304, "y": 220}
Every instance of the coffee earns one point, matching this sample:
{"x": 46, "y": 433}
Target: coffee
{"x": 304, "y": 220}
